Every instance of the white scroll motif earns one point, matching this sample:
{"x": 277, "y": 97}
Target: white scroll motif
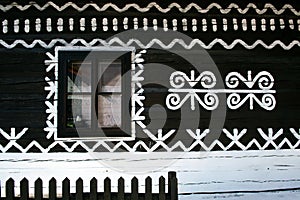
{"x": 209, "y": 102}
{"x": 179, "y": 79}
{"x": 183, "y": 90}
{"x": 264, "y": 80}
{"x": 207, "y": 79}
{"x": 267, "y": 101}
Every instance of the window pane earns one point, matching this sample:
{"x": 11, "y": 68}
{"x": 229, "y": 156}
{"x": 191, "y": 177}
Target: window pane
{"x": 110, "y": 80}
{"x": 79, "y": 77}
{"x": 79, "y": 111}
{"x": 109, "y": 110}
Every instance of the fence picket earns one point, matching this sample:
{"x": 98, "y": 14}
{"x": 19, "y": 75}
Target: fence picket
{"x": 172, "y": 186}
{"x": 52, "y": 189}
{"x": 79, "y": 189}
{"x": 162, "y": 188}
{"x": 38, "y": 189}
{"x": 93, "y": 189}
{"x": 107, "y": 189}
{"x": 148, "y": 189}
{"x": 134, "y": 188}
{"x": 10, "y": 189}
{"x": 121, "y": 186}
{"x": 24, "y": 193}
{"x": 66, "y": 189}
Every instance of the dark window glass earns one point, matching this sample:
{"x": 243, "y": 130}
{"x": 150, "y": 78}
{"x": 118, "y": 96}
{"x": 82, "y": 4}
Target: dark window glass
{"x": 93, "y": 94}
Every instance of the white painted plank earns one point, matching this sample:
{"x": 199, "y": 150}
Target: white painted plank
{"x": 279, "y": 195}
{"x": 197, "y": 172}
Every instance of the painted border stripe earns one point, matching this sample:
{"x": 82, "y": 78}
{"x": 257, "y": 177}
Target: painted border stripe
{"x": 186, "y": 9}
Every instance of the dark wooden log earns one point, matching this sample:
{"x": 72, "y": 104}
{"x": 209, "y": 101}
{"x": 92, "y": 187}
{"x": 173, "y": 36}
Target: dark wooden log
{"x": 162, "y": 188}
{"x": 52, "y": 189}
{"x": 79, "y": 189}
{"x": 172, "y": 186}
{"x": 66, "y": 189}
{"x": 121, "y": 186}
{"x": 148, "y": 189}
{"x": 23, "y": 98}
{"x": 38, "y": 189}
{"x": 10, "y": 189}
{"x": 134, "y": 189}
{"x": 107, "y": 189}
{"x": 93, "y": 189}
{"x": 24, "y": 193}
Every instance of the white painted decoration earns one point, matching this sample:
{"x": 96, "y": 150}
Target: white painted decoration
{"x": 182, "y": 84}
{"x": 38, "y": 25}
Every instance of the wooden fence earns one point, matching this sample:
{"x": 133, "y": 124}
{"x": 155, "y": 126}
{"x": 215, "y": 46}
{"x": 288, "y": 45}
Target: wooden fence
{"x": 93, "y": 194}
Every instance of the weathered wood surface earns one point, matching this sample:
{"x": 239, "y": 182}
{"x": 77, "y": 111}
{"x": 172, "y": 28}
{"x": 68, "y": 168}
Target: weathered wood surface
{"x": 22, "y": 69}
{"x": 268, "y": 195}
{"x": 230, "y": 175}
{"x": 259, "y": 172}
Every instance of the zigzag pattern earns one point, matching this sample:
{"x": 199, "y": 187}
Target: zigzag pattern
{"x": 135, "y": 42}
{"x": 197, "y": 136}
{"x": 186, "y": 9}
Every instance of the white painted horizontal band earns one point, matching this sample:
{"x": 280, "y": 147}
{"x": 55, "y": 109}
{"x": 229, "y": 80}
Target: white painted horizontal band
{"x": 86, "y": 139}
{"x": 192, "y": 90}
{"x": 248, "y": 173}
{"x": 109, "y": 48}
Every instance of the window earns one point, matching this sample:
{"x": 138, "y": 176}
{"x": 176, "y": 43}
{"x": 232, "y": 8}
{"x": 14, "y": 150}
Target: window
{"x": 94, "y": 94}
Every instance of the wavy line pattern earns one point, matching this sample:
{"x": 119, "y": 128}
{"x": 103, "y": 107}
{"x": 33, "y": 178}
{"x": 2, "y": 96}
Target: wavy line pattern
{"x": 186, "y": 9}
{"x": 135, "y": 42}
